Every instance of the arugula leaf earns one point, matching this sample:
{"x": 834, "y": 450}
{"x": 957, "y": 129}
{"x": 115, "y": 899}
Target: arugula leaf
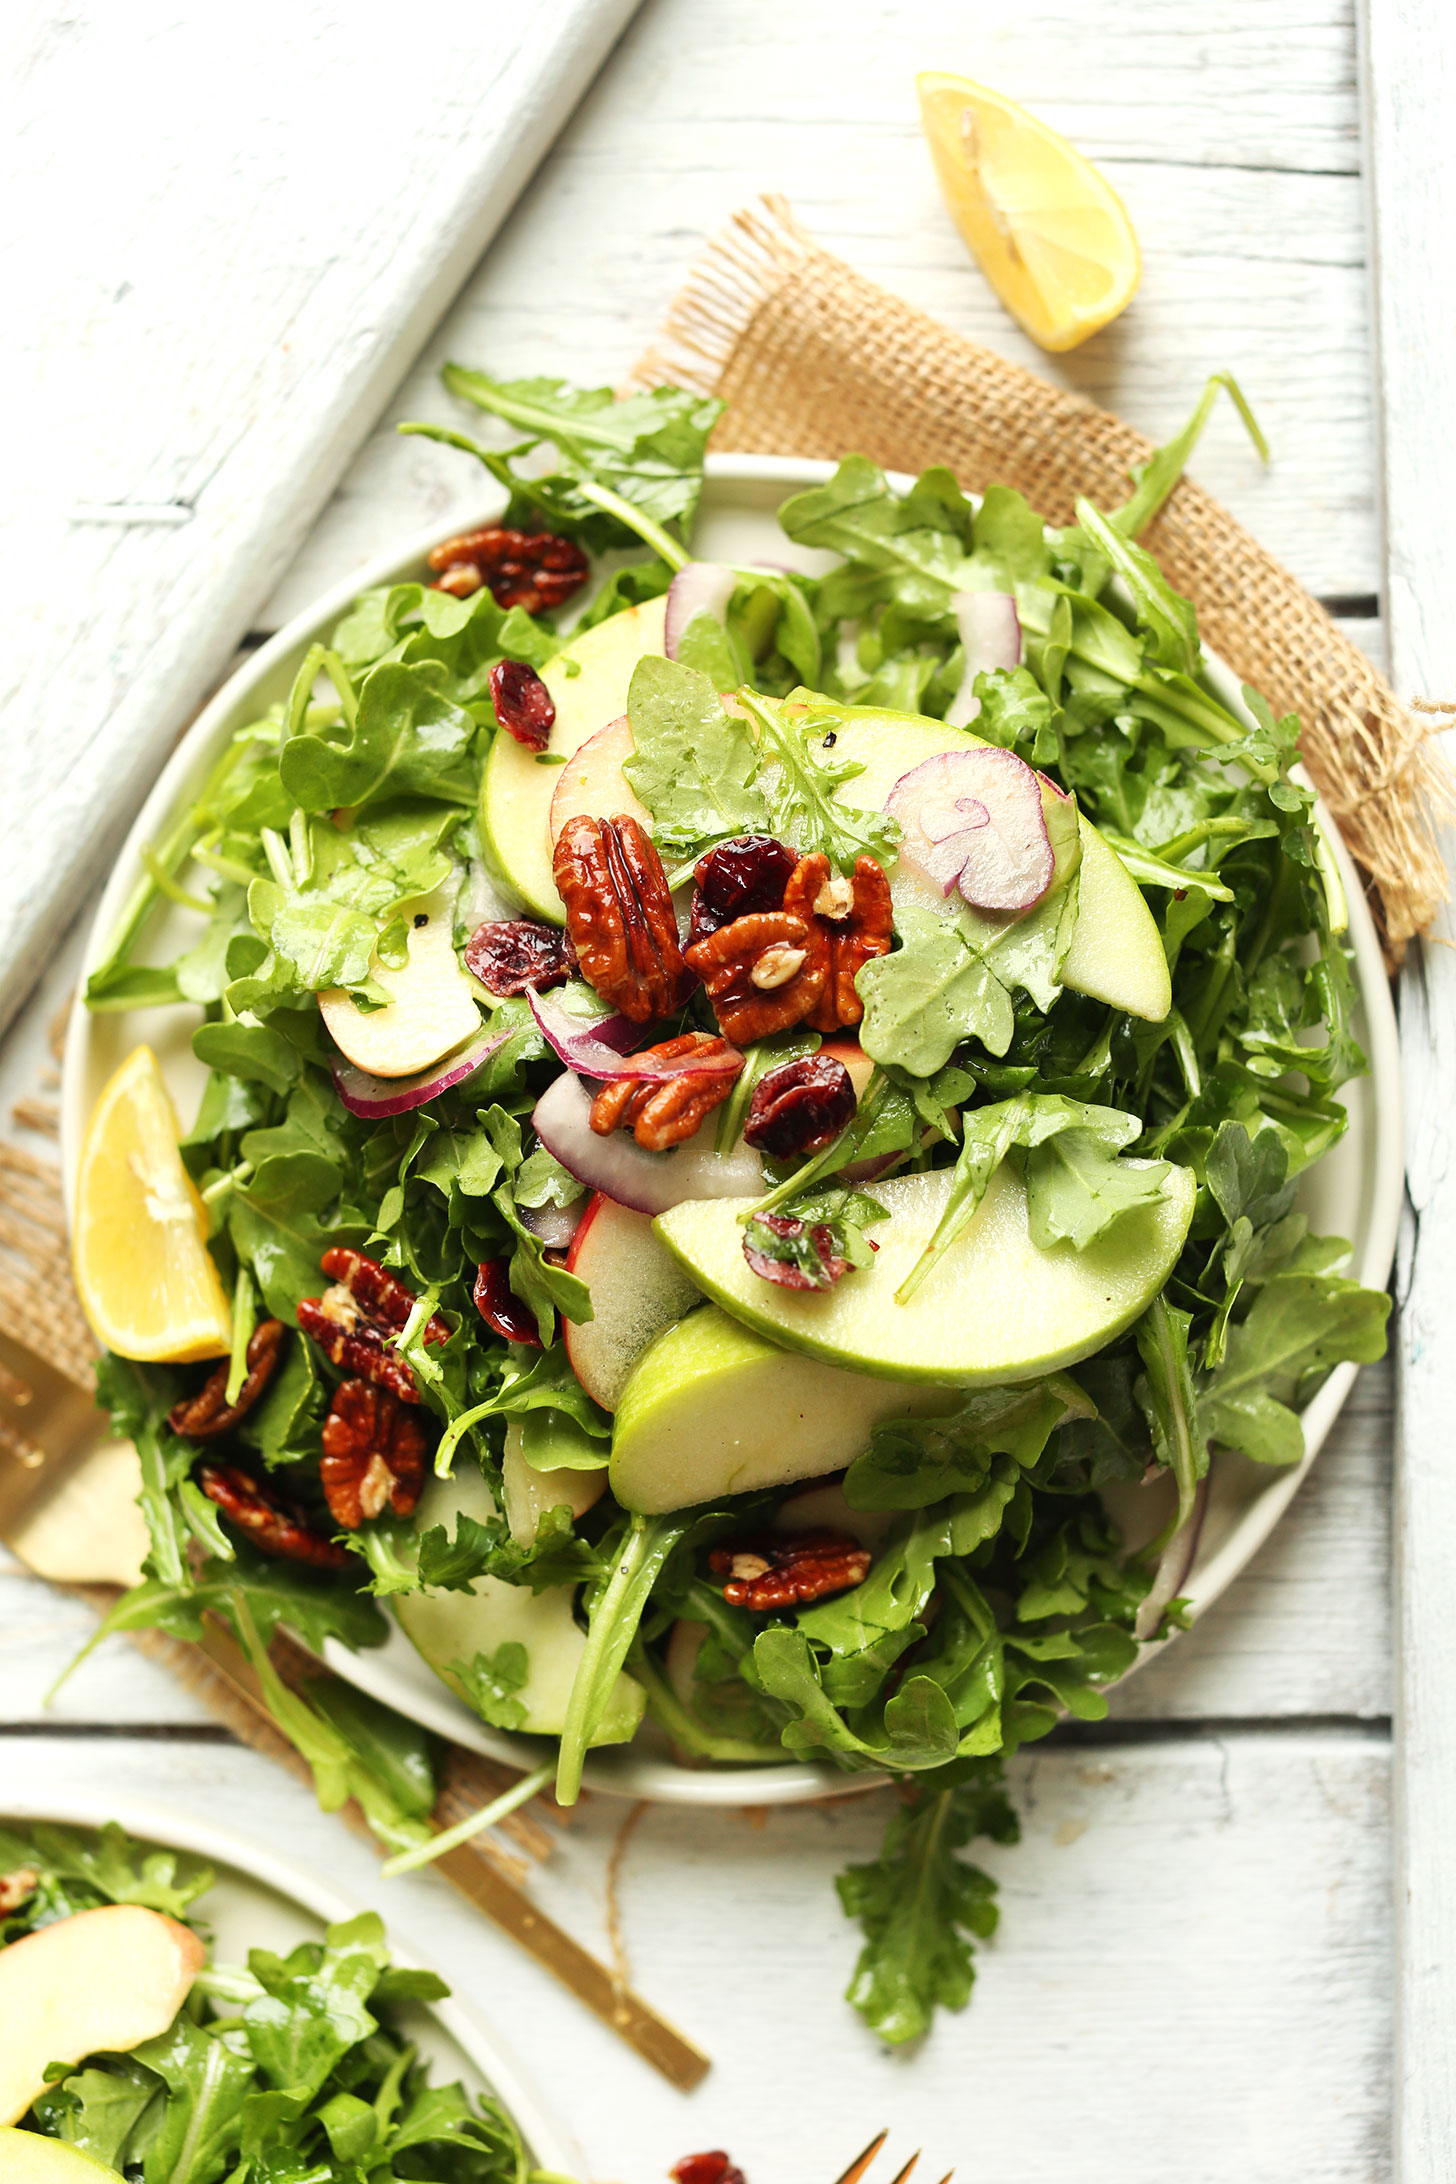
{"x": 1297, "y": 1328}
{"x": 490, "y": 1683}
{"x": 201, "y": 2122}
{"x": 98, "y": 2109}
{"x": 408, "y": 739}
{"x": 922, "y": 542}
{"x": 1076, "y": 1187}
{"x": 1168, "y": 618}
{"x": 1155, "y": 479}
{"x": 693, "y": 765}
{"x": 919, "y": 1727}
{"x": 800, "y": 783}
{"x": 1168, "y": 1401}
{"x": 921, "y": 1001}
{"x": 913, "y": 1462}
{"x": 920, "y": 1903}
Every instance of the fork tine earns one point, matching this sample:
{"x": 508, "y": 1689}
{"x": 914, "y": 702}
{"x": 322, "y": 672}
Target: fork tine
{"x": 862, "y": 2161}
{"x": 900, "y": 2179}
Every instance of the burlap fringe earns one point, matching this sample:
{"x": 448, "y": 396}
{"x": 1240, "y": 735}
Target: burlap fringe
{"x": 813, "y": 359}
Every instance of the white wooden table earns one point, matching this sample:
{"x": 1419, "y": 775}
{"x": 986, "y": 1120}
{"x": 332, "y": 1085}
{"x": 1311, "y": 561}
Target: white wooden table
{"x": 1195, "y": 1969}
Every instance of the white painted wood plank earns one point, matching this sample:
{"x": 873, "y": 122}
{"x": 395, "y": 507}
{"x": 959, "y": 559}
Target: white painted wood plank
{"x": 1410, "y": 84}
{"x": 228, "y": 236}
{"x": 1233, "y": 138}
{"x": 1191, "y": 1978}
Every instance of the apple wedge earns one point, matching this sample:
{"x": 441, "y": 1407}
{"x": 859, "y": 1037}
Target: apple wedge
{"x": 715, "y": 1409}
{"x": 588, "y": 684}
{"x": 637, "y": 1289}
{"x": 431, "y": 1009}
{"x": 593, "y": 781}
{"x": 532, "y": 1484}
{"x": 26, "y": 2158}
{"x": 101, "y": 1980}
{"x": 451, "y": 1627}
{"x": 996, "y": 1308}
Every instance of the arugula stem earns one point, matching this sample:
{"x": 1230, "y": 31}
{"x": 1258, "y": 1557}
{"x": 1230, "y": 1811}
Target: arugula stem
{"x": 280, "y": 864}
{"x": 245, "y": 1319}
{"x": 650, "y": 532}
{"x": 833, "y": 1155}
{"x": 164, "y": 883}
{"x": 612, "y": 1626}
{"x": 500, "y": 1808}
{"x": 1157, "y": 478}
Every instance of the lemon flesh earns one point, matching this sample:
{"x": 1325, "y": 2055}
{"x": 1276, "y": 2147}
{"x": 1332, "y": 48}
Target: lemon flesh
{"x": 145, "y": 1275}
{"x": 1052, "y": 236}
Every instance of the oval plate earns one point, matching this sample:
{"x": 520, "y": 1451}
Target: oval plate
{"x": 261, "y": 1901}
{"x": 1354, "y": 1192}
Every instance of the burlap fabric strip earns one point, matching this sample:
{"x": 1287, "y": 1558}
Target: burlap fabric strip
{"x": 813, "y": 359}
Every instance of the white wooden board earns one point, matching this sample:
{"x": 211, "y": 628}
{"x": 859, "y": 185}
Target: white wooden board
{"x": 226, "y": 236}
{"x": 1191, "y": 1978}
{"x": 1410, "y": 84}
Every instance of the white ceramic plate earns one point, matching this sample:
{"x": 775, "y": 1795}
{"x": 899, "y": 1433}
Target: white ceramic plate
{"x": 1354, "y": 1192}
{"x": 261, "y": 1901}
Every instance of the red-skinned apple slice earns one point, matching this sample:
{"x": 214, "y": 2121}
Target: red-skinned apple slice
{"x": 637, "y": 1289}
{"x": 592, "y": 781}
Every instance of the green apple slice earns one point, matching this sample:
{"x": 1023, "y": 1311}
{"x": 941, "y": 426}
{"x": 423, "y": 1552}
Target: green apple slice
{"x": 588, "y": 684}
{"x": 448, "y": 1627}
{"x": 27, "y": 2158}
{"x": 1116, "y": 954}
{"x": 996, "y": 1308}
{"x": 714, "y": 1409}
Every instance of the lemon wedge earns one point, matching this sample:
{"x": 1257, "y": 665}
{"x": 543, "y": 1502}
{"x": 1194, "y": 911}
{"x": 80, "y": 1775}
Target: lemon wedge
{"x": 144, "y": 1272}
{"x": 1052, "y": 237}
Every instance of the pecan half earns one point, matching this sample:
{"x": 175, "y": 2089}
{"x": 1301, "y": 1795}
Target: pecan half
{"x": 353, "y": 1320}
{"x": 523, "y": 704}
{"x": 851, "y": 922}
{"x": 387, "y": 1300}
{"x": 663, "y": 1111}
{"x": 536, "y": 570}
{"x": 17, "y": 1888}
{"x": 800, "y": 1107}
{"x": 759, "y": 974}
{"x": 788, "y": 1572}
{"x": 620, "y": 917}
{"x": 272, "y": 1525}
{"x": 500, "y": 1307}
{"x": 207, "y": 1415}
{"x": 512, "y": 955}
{"x": 374, "y": 1455}
{"x": 713, "y": 2168}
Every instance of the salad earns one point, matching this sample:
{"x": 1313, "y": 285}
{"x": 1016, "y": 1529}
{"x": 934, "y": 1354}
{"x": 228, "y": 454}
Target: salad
{"x": 742, "y": 1106}
{"x": 128, "y": 2054}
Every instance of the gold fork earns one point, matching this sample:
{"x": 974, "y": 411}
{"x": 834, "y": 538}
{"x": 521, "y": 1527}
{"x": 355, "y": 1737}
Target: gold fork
{"x": 68, "y": 1512}
{"x": 859, "y": 2167}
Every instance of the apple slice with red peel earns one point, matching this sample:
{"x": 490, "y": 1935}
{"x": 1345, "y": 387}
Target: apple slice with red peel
{"x": 637, "y": 1289}
{"x": 103, "y": 1980}
{"x": 533, "y": 1484}
{"x": 617, "y": 1164}
{"x": 431, "y": 1009}
{"x": 593, "y": 782}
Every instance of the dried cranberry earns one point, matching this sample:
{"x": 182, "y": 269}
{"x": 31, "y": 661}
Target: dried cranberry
{"x": 737, "y": 879}
{"x": 714, "y": 2168}
{"x": 793, "y": 1272}
{"x": 523, "y": 704}
{"x": 500, "y": 1307}
{"x": 508, "y": 955}
{"x": 800, "y": 1107}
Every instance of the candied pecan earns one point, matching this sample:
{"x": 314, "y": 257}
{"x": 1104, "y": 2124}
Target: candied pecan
{"x": 500, "y": 1307}
{"x": 374, "y": 1455}
{"x": 800, "y": 1107}
{"x": 714, "y": 2168}
{"x": 382, "y": 1295}
{"x": 791, "y": 1273}
{"x": 208, "y": 1414}
{"x": 510, "y": 955}
{"x": 522, "y": 703}
{"x": 851, "y": 922}
{"x": 620, "y": 917}
{"x": 663, "y": 1111}
{"x": 273, "y": 1526}
{"x": 536, "y": 570}
{"x": 356, "y": 1346}
{"x": 736, "y": 878}
{"x": 17, "y": 1888}
{"x": 790, "y": 1571}
{"x": 758, "y": 974}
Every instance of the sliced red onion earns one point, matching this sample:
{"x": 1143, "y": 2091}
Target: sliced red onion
{"x": 1174, "y": 1565}
{"x": 973, "y": 819}
{"x": 990, "y": 630}
{"x": 374, "y": 1098}
{"x": 555, "y": 1225}
{"x": 597, "y": 1046}
{"x": 619, "y": 1168}
{"x": 703, "y": 587}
